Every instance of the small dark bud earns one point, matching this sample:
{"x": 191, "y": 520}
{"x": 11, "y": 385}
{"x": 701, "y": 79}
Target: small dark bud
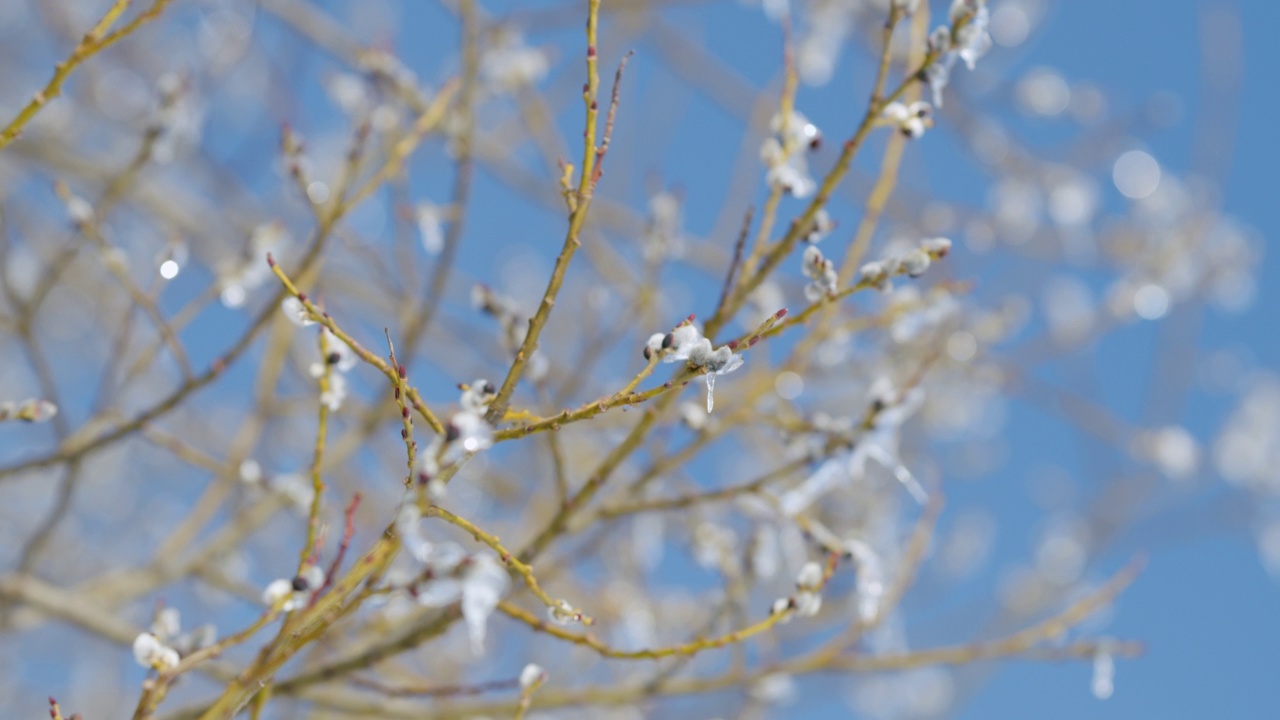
{"x": 648, "y": 354}
{"x": 489, "y": 389}
{"x": 299, "y": 584}
{"x": 668, "y": 341}
{"x": 732, "y": 344}
{"x": 332, "y": 358}
{"x": 401, "y": 370}
{"x": 271, "y": 261}
{"x": 302, "y": 297}
{"x": 451, "y": 433}
{"x": 780, "y": 314}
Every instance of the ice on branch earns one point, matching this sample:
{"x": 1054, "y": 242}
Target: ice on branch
{"x": 870, "y": 585}
{"x": 477, "y": 581}
{"x": 1104, "y": 673}
{"x": 687, "y": 343}
{"x": 878, "y": 444}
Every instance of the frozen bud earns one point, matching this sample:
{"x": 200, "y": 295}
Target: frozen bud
{"x": 348, "y": 92}
{"x": 915, "y": 263}
{"x": 653, "y": 345}
{"x": 532, "y": 676}
{"x": 477, "y": 396}
{"x": 470, "y": 431}
{"x": 781, "y": 605}
{"x": 430, "y": 228}
{"x": 296, "y": 311}
{"x": 912, "y": 128}
{"x": 813, "y": 261}
{"x": 936, "y": 247}
{"x": 509, "y": 64}
{"x": 79, "y": 209}
{"x": 562, "y": 613}
{"x": 808, "y": 603}
{"x": 810, "y": 576}
{"x": 911, "y": 120}
{"x": 311, "y": 578}
{"x": 1173, "y": 450}
{"x": 338, "y": 353}
{"x": 719, "y": 362}
{"x": 793, "y": 177}
{"x": 895, "y": 112}
{"x": 796, "y": 131}
{"x": 333, "y": 397}
{"x": 250, "y": 472}
{"x": 940, "y": 40}
{"x": 821, "y": 226}
{"x": 771, "y": 152}
{"x": 153, "y": 654}
{"x": 167, "y": 624}
{"x": 973, "y": 37}
{"x": 683, "y": 342}
{"x": 277, "y": 593}
{"x": 873, "y": 273}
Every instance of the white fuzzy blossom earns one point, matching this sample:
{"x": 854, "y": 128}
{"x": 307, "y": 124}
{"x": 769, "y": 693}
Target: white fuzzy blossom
{"x": 821, "y": 271}
{"x": 532, "y": 676}
{"x": 430, "y": 220}
{"x": 290, "y": 594}
{"x": 784, "y": 154}
{"x": 808, "y": 600}
{"x": 296, "y": 311}
{"x": 910, "y": 120}
{"x": 34, "y": 410}
{"x": 821, "y": 226}
{"x": 153, "y": 654}
{"x": 967, "y": 43}
{"x": 508, "y": 64}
